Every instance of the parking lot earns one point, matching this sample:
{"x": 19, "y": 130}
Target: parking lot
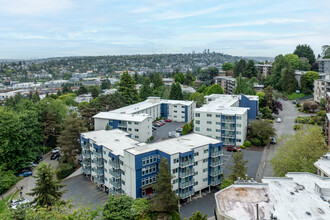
{"x": 161, "y": 133}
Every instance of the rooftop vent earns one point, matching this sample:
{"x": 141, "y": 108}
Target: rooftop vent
{"x": 292, "y": 193}
{"x": 320, "y": 210}
{"x": 308, "y": 213}
{"x": 116, "y": 139}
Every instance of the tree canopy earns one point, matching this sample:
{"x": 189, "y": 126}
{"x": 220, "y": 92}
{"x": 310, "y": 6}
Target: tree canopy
{"x": 118, "y": 207}
{"x": 227, "y": 66}
{"x": 238, "y": 169}
{"x": 176, "y": 92}
{"x": 207, "y": 75}
{"x": 127, "y": 89}
{"x": 261, "y": 130}
{"x": 307, "y": 81}
{"x": 304, "y": 50}
{"x": 213, "y": 89}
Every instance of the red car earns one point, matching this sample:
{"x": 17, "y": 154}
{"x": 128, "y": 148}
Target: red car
{"x": 233, "y": 149}
{"x": 161, "y": 124}
{"x": 167, "y": 120}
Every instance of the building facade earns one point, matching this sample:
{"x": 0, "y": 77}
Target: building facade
{"x": 324, "y": 65}
{"x": 122, "y": 165}
{"x": 137, "y": 118}
{"x": 228, "y": 83}
{"x": 225, "y": 117}
{"x": 264, "y": 69}
{"x": 323, "y": 165}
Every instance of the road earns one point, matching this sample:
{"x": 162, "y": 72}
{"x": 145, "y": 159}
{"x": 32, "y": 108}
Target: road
{"x": 287, "y": 116}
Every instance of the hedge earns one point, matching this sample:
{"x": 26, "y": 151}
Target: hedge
{"x": 63, "y": 170}
{"x": 247, "y": 144}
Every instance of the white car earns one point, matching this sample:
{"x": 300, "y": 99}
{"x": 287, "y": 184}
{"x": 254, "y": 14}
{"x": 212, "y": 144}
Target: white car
{"x": 56, "y": 150}
{"x": 278, "y": 120}
{"x": 15, "y": 203}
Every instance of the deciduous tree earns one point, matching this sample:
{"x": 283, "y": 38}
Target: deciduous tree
{"x": 208, "y": 74}
{"x": 213, "y": 89}
{"x": 306, "y": 51}
{"x": 238, "y": 169}
{"x": 307, "y": 81}
{"x": 227, "y": 66}
{"x": 262, "y": 130}
{"x": 118, "y": 207}
{"x": 198, "y": 98}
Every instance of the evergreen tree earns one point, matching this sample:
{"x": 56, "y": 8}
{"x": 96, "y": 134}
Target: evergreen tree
{"x": 127, "y": 89}
{"x": 176, "y": 92}
{"x": 59, "y": 93}
{"x": 47, "y": 190}
{"x": 198, "y": 216}
{"x": 105, "y": 84}
{"x": 227, "y": 66}
{"x": 289, "y": 81}
{"x": 82, "y": 90}
{"x": 238, "y": 169}
{"x": 95, "y": 92}
{"x": 268, "y": 97}
{"x": 165, "y": 199}
{"x": 305, "y": 51}
{"x": 35, "y": 97}
{"x": 239, "y": 68}
{"x": 207, "y": 75}
{"x": 69, "y": 138}
{"x": 251, "y": 70}
{"x": 145, "y": 90}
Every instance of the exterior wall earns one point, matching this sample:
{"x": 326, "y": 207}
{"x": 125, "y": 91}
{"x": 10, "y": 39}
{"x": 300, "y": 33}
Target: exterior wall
{"x": 327, "y": 131}
{"x": 130, "y": 175}
{"x": 140, "y": 131}
{"x": 177, "y": 113}
{"x": 319, "y": 90}
{"x": 100, "y": 124}
{"x": 153, "y": 111}
{"x": 324, "y": 65}
{"x": 252, "y": 104}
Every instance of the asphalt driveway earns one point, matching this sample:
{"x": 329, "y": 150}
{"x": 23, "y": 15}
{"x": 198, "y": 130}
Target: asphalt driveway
{"x": 161, "y": 133}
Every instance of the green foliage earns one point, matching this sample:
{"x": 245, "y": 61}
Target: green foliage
{"x": 82, "y": 90}
{"x": 256, "y": 142}
{"x": 310, "y": 106}
{"x": 307, "y": 81}
{"x": 323, "y": 102}
{"x": 127, "y": 89}
{"x": 118, "y": 207}
{"x": 95, "y": 91}
{"x": 179, "y": 77}
{"x": 225, "y": 183}
{"x": 261, "y": 96}
{"x": 145, "y": 90}
{"x": 68, "y": 99}
{"x": 176, "y": 92}
{"x": 7, "y": 180}
{"x": 63, "y": 170}
{"x": 297, "y": 127}
{"x": 311, "y": 119}
{"x": 266, "y": 112}
{"x": 105, "y": 84}
{"x": 289, "y": 81}
{"x": 299, "y": 152}
{"x": 321, "y": 113}
{"x": 140, "y": 207}
{"x": 198, "y": 216}
{"x": 261, "y": 130}
{"x": 165, "y": 199}
{"x": 251, "y": 70}
{"x": 239, "y": 68}
{"x": 238, "y": 169}
{"x": 305, "y": 51}
{"x": 244, "y": 86}
{"x": 294, "y": 96}
{"x": 304, "y": 64}
{"x": 202, "y": 89}
{"x": 198, "y": 98}
{"x": 46, "y": 192}
{"x": 213, "y": 89}
{"x": 227, "y": 66}
{"x": 208, "y": 74}
{"x": 247, "y": 143}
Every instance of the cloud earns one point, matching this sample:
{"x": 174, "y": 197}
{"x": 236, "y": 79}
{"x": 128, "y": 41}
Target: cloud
{"x": 256, "y": 23}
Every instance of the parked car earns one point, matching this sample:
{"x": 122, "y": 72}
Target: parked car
{"x": 161, "y": 124}
{"x": 179, "y": 130}
{"x": 273, "y": 140}
{"x": 167, "y": 120}
{"x": 56, "y": 150}
{"x": 31, "y": 165}
{"x": 233, "y": 149}
{"x": 162, "y": 121}
{"x": 15, "y": 203}
{"x": 173, "y": 134}
{"x": 278, "y": 120}
{"x": 55, "y": 156}
{"x": 38, "y": 159}
{"x": 154, "y": 127}
{"x": 25, "y": 173}
{"x": 294, "y": 102}
{"x": 156, "y": 124}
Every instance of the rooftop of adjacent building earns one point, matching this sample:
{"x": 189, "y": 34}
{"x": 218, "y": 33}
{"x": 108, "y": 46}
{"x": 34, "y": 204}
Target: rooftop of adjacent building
{"x": 264, "y": 65}
{"x": 225, "y": 77}
{"x": 326, "y": 60}
{"x": 291, "y": 197}
{"x": 122, "y": 116}
{"x": 324, "y": 162}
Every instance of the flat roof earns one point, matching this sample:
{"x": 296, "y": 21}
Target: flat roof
{"x": 171, "y": 146}
{"x": 324, "y": 162}
{"x": 114, "y": 140}
{"x": 122, "y": 117}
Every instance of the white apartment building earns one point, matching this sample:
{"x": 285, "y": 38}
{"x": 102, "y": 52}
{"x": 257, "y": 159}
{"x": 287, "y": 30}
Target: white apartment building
{"x": 142, "y": 114}
{"x": 225, "y": 117}
{"x": 323, "y": 165}
{"x": 124, "y": 166}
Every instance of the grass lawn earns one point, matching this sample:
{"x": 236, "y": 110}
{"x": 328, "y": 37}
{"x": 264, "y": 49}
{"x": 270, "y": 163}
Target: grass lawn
{"x": 3, "y": 202}
{"x": 294, "y": 96}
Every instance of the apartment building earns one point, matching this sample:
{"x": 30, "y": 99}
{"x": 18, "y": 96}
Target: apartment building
{"x": 324, "y": 65}
{"x": 225, "y": 117}
{"x": 122, "y": 165}
{"x": 296, "y": 196}
{"x": 321, "y": 87}
{"x": 323, "y": 165}
{"x": 228, "y": 83}
{"x": 264, "y": 69}
{"x": 137, "y": 118}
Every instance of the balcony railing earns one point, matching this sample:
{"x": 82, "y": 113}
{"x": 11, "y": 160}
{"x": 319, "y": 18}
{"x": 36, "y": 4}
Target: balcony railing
{"x": 231, "y": 121}
{"x": 86, "y": 162}
{"x": 114, "y": 173}
{"x": 86, "y": 170}
{"x": 98, "y": 163}
{"x": 115, "y": 183}
{"x": 86, "y": 154}
{"x": 97, "y": 154}
{"x": 215, "y": 172}
{"x": 186, "y": 163}
{"x": 114, "y": 163}
{"x": 99, "y": 171}
{"x": 186, "y": 184}
{"x": 99, "y": 180}
{"x": 228, "y": 135}
{"x": 216, "y": 153}
{"x": 188, "y": 172}
{"x": 215, "y": 182}
{"x": 229, "y": 143}
{"x": 85, "y": 146}
{"x": 215, "y": 163}
{"x": 228, "y": 128}
{"x": 187, "y": 194}
{"x": 114, "y": 192}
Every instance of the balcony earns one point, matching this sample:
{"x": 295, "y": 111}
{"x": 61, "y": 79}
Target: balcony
{"x": 230, "y": 121}
{"x": 186, "y": 184}
{"x": 215, "y": 182}
{"x": 216, "y": 162}
{"x": 86, "y": 154}
{"x": 216, "y": 153}
{"x": 186, "y": 173}
{"x": 114, "y": 163}
{"x": 98, "y": 163}
{"x": 122, "y": 125}
{"x": 186, "y": 163}
{"x": 99, "y": 180}
{"x": 114, "y": 192}
{"x": 86, "y": 170}
{"x": 85, "y": 146}
{"x": 97, "y": 154}
{"x": 187, "y": 194}
{"x": 228, "y": 128}
{"x": 232, "y": 143}
{"x": 86, "y": 162}
{"x": 99, "y": 171}
{"x": 114, "y": 173}
{"x": 228, "y": 135}
{"x": 215, "y": 172}
{"x": 116, "y": 184}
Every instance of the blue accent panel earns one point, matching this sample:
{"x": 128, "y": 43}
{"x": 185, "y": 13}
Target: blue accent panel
{"x": 252, "y": 104}
{"x": 164, "y": 110}
{"x": 98, "y": 148}
{"x": 217, "y": 146}
{"x": 114, "y": 124}
{"x": 186, "y": 114}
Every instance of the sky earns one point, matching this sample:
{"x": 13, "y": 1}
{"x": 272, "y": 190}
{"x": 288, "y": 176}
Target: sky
{"x": 54, "y": 28}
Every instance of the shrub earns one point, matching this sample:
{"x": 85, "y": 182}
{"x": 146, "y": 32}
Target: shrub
{"x": 7, "y": 180}
{"x": 247, "y": 143}
{"x": 298, "y": 105}
{"x": 271, "y": 121}
{"x": 321, "y": 113}
{"x": 297, "y": 127}
{"x": 243, "y": 147}
{"x": 256, "y": 142}
{"x": 151, "y": 138}
{"x": 63, "y": 170}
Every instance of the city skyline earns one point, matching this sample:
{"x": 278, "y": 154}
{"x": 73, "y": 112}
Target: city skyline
{"x": 41, "y": 29}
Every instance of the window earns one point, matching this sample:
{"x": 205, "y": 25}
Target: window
{"x": 175, "y": 170}
{"x": 218, "y": 116}
{"x": 217, "y": 123}
{"x": 129, "y": 129}
{"x": 239, "y": 118}
{"x": 175, "y": 116}
{"x": 105, "y": 170}
{"x": 196, "y": 163}
{"x": 123, "y": 172}
{"x": 182, "y": 116}
{"x": 182, "y": 111}
{"x": 206, "y": 151}
{"x": 175, "y": 181}
{"x": 175, "y": 106}
{"x": 217, "y": 130}
{"x": 136, "y": 129}
{"x": 196, "y": 173}
{"x": 197, "y": 129}
{"x": 137, "y": 123}
{"x": 182, "y": 106}
{"x": 176, "y": 160}
{"x": 136, "y": 136}
{"x": 238, "y": 140}
{"x": 196, "y": 154}
{"x": 197, "y": 122}
{"x": 238, "y": 125}
{"x": 208, "y": 129}
{"x": 209, "y": 122}
{"x": 175, "y": 111}
{"x": 105, "y": 161}
{"x": 208, "y": 115}
{"x": 123, "y": 182}
{"x": 238, "y": 132}
{"x": 129, "y": 122}
{"x": 197, "y": 115}
{"x": 205, "y": 170}
{"x": 217, "y": 137}
{"x": 205, "y": 160}
{"x": 148, "y": 170}
{"x": 205, "y": 180}
{"x": 196, "y": 183}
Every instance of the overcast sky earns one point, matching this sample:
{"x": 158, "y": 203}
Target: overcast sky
{"x": 49, "y": 28}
